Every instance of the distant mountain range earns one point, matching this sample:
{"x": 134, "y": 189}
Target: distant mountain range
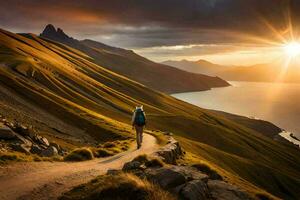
{"x": 274, "y": 72}
{"x": 126, "y": 62}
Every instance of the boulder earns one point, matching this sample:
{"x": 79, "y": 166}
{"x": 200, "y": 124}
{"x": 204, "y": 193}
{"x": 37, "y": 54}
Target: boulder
{"x": 50, "y": 151}
{"x": 41, "y": 140}
{"x": 56, "y": 146}
{"x": 190, "y": 173}
{"x": 6, "y": 133}
{"x": 221, "y": 190}
{"x": 45, "y": 141}
{"x": 21, "y": 129}
{"x": 167, "y": 178}
{"x": 131, "y": 165}
{"x": 35, "y": 149}
{"x": 24, "y": 148}
{"x": 170, "y": 152}
{"x": 195, "y": 190}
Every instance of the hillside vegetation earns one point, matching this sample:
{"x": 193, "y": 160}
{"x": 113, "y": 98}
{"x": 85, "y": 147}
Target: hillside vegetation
{"x": 136, "y": 67}
{"x": 59, "y": 91}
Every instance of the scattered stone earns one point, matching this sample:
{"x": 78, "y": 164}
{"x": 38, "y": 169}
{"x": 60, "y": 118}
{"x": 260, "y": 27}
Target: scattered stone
{"x": 165, "y": 177}
{"x": 21, "y": 129}
{"x": 190, "y": 173}
{"x": 131, "y": 165}
{"x": 168, "y": 133}
{"x": 41, "y": 140}
{"x": 207, "y": 170}
{"x": 56, "y": 146}
{"x": 10, "y": 124}
{"x": 195, "y": 190}
{"x": 6, "y": 133}
{"x": 49, "y": 152}
{"x": 45, "y": 141}
{"x": 113, "y": 172}
{"x": 221, "y": 190}
{"x": 24, "y": 148}
{"x": 170, "y": 152}
{"x": 35, "y": 149}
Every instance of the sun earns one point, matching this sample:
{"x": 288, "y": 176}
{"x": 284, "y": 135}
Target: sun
{"x": 292, "y": 49}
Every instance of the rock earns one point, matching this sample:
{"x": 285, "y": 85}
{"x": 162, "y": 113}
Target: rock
{"x": 41, "y": 140}
{"x": 212, "y": 174}
{"x": 113, "y": 172}
{"x": 165, "y": 177}
{"x": 190, "y": 173}
{"x": 21, "y": 129}
{"x": 6, "y": 133}
{"x": 35, "y": 149}
{"x": 220, "y": 190}
{"x": 56, "y": 146}
{"x": 131, "y": 165}
{"x": 45, "y": 141}
{"x": 24, "y": 148}
{"x": 195, "y": 190}
{"x": 50, "y": 151}
{"x": 10, "y": 124}
{"x": 170, "y": 152}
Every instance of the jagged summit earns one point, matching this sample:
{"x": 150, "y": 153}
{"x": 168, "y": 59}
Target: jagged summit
{"x": 55, "y": 34}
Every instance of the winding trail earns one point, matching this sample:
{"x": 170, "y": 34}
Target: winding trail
{"x": 48, "y": 180}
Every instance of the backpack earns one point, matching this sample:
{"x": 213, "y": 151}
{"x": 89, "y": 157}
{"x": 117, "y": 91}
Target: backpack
{"x": 139, "y": 119}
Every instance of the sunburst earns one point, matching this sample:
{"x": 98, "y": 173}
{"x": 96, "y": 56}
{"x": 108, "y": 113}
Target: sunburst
{"x": 292, "y": 49}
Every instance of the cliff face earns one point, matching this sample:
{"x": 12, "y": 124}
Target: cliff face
{"x": 126, "y": 62}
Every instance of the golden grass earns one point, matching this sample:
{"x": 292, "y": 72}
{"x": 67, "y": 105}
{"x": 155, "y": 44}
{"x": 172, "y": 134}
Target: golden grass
{"x": 121, "y": 186}
{"x": 149, "y": 161}
{"x": 79, "y": 154}
{"x": 9, "y": 157}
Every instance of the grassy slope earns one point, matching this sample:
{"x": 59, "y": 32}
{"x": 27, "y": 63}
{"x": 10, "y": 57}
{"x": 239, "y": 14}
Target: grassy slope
{"x": 64, "y": 82}
{"x": 154, "y": 75}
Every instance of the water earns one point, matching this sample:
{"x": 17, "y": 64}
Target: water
{"x": 278, "y": 103}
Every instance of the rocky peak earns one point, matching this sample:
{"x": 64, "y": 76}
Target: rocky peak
{"x": 49, "y": 29}
{"x": 55, "y": 34}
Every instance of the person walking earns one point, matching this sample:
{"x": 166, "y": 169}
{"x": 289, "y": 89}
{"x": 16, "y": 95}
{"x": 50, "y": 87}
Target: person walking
{"x": 138, "y": 123}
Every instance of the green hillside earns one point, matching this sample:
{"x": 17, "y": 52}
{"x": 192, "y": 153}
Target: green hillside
{"x": 63, "y": 94}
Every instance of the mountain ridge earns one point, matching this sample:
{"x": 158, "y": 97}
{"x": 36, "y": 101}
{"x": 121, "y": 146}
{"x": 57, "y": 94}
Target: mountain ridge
{"x": 126, "y": 62}
{"x": 265, "y": 72}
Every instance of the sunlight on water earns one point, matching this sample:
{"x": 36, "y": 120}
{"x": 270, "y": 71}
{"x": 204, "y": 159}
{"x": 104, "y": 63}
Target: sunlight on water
{"x": 287, "y": 135}
{"x": 275, "y": 102}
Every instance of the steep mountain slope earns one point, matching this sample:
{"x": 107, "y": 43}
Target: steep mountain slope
{"x": 59, "y": 91}
{"x": 273, "y": 72}
{"x": 135, "y": 67}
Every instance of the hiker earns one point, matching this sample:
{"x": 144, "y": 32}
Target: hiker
{"x": 138, "y": 123}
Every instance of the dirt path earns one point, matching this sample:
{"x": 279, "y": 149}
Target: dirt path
{"x": 46, "y": 180}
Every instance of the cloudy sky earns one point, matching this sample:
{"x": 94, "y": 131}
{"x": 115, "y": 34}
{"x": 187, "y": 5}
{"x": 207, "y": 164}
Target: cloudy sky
{"x": 223, "y": 31}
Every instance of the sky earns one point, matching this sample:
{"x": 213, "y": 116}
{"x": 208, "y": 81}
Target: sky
{"x": 231, "y": 32}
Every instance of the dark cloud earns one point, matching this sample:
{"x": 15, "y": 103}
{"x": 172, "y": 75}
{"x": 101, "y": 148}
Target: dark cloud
{"x": 146, "y": 23}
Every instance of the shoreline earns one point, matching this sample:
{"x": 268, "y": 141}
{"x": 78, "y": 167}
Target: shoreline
{"x": 288, "y": 136}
